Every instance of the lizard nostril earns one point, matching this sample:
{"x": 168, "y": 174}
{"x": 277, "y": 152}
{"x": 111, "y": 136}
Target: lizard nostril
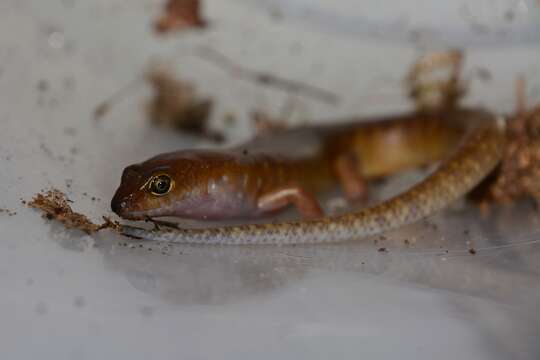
{"x": 118, "y": 205}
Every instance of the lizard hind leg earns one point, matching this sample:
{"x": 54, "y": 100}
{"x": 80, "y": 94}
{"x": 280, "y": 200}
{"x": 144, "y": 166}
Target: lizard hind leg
{"x": 352, "y": 182}
{"x": 306, "y": 204}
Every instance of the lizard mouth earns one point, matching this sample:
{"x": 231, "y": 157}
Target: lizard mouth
{"x": 122, "y": 208}
{"x": 120, "y": 205}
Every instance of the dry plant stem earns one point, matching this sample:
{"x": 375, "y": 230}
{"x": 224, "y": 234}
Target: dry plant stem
{"x": 266, "y": 79}
{"x": 436, "y": 94}
{"x": 55, "y": 205}
{"x": 102, "y": 109}
{"x": 521, "y": 97}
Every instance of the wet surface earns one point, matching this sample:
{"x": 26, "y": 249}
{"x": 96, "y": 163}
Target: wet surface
{"x": 418, "y": 291}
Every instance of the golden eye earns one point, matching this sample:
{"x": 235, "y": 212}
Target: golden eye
{"x": 160, "y": 185}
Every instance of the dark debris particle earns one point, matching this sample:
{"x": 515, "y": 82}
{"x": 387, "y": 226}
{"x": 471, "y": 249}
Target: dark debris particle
{"x": 101, "y": 110}
{"x": 42, "y": 85}
{"x": 71, "y": 131}
{"x": 472, "y": 251}
{"x": 484, "y": 74}
{"x": 79, "y": 301}
{"x": 383, "y": 250}
{"x": 509, "y": 15}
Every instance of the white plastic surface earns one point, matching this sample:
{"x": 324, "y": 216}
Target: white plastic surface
{"x": 70, "y": 296}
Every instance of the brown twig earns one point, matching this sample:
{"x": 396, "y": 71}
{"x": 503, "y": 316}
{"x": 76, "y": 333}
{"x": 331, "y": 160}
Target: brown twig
{"x": 105, "y": 106}
{"x": 55, "y": 205}
{"x": 265, "y": 79}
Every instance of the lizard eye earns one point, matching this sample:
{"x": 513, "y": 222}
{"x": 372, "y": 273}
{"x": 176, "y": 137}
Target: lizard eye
{"x": 160, "y": 185}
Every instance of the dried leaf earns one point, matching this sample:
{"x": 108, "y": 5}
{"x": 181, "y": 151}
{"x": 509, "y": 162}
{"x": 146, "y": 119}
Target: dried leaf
{"x": 175, "y": 104}
{"x": 180, "y": 15}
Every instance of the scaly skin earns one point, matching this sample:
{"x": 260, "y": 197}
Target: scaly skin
{"x": 480, "y": 151}
{"x": 254, "y": 179}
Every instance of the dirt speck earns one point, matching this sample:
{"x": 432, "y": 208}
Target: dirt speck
{"x": 79, "y": 301}
{"x": 71, "y": 131}
{"x": 147, "y": 310}
{"x": 41, "y": 308}
{"x": 43, "y": 85}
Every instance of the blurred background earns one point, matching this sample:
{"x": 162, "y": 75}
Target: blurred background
{"x": 66, "y": 295}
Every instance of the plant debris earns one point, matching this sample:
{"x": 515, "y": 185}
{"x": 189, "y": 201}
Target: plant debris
{"x": 55, "y": 205}
{"x": 265, "y": 123}
{"x": 180, "y": 15}
{"x": 436, "y": 94}
{"x": 518, "y": 176}
{"x": 175, "y": 104}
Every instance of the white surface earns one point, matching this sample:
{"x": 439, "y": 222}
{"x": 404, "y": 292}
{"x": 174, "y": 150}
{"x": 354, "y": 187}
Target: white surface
{"x": 426, "y": 23}
{"x": 68, "y": 296}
